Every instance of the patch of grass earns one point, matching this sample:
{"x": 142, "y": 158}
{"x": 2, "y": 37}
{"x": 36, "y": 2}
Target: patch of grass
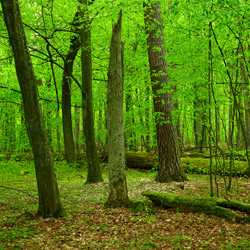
{"x": 179, "y": 242}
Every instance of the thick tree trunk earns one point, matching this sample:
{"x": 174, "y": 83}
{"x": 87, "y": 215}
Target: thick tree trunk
{"x": 170, "y": 168}
{"x": 69, "y": 145}
{"x": 246, "y": 93}
{"x": 94, "y": 170}
{"x": 49, "y": 199}
{"x": 246, "y": 101}
{"x": 118, "y": 195}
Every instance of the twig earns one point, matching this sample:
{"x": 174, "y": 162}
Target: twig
{"x": 17, "y": 190}
{"x": 75, "y": 176}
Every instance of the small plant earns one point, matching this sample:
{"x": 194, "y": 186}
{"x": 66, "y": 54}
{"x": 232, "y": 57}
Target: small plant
{"x": 155, "y": 168}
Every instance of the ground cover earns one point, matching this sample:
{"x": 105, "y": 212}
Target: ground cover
{"x": 90, "y": 226}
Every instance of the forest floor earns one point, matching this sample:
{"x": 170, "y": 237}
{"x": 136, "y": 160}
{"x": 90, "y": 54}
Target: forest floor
{"x": 89, "y": 225}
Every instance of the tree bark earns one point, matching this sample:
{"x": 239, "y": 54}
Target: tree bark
{"x": 94, "y": 170}
{"x": 49, "y": 198}
{"x": 77, "y": 129}
{"x": 118, "y": 194}
{"x": 197, "y": 123}
{"x": 58, "y": 135}
{"x": 170, "y": 168}
{"x": 69, "y": 144}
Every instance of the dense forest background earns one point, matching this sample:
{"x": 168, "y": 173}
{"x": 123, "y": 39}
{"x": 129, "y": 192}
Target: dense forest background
{"x": 207, "y": 47}
{"x": 119, "y": 117}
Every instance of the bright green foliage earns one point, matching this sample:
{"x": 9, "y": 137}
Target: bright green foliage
{"x": 186, "y": 27}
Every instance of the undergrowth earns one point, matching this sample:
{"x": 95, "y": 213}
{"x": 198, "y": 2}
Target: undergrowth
{"x": 90, "y": 226}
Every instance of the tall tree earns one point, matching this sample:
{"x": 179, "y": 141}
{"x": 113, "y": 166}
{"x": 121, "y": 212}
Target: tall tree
{"x": 69, "y": 144}
{"x": 49, "y": 198}
{"x": 170, "y": 168}
{"x": 94, "y": 170}
{"x": 118, "y": 194}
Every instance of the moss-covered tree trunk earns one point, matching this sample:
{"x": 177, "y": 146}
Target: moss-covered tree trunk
{"x": 49, "y": 198}
{"x": 118, "y": 195}
{"x": 170, "y": 168}
{"x": 94, "y": 170}
{"x": 68, "y": 137}
{"x": 211, "y": 206}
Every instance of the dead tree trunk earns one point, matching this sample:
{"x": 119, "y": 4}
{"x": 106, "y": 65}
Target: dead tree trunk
{"x": 118, "y": 194}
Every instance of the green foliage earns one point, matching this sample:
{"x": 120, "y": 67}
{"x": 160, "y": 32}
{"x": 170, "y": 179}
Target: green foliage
{"x": 201, "y": 166}
{"x": 187, "y": 37}
{"x": 17, "y": 232}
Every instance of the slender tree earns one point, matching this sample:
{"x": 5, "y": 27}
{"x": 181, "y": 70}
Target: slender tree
{"x": 170, "y": 168}
{"x": 94, "y": 170}
{"x": 49, "y": 198}
{"x": 118, "y": 194}
{"x": 69, "y": 144}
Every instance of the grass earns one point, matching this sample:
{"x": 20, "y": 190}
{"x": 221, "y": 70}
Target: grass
{"x": 90, "y": 226}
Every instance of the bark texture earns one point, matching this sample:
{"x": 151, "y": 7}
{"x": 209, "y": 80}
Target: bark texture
{"x": 94, "y": 170}
{"x": 118, "y": 194}
{"x": 68, "y": 137}
{"x": 49, "y": 199}
{"x": 170, "y": 168}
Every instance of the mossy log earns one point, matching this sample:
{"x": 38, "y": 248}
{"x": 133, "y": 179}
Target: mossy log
{"x": 145, "y": 161}
{"x": 137, "y": 160}
{"x": 211, "y": 206}
{"x": 141, "y": 205}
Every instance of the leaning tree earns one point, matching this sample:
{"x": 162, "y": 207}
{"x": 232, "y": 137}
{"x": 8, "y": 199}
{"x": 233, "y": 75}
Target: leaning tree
{"x": 48, "y": 192}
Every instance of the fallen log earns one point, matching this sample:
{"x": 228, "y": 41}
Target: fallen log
{"x": 139, "y": 161}
{"x": 227, "y": 209}
{"x": 145, "y": 161}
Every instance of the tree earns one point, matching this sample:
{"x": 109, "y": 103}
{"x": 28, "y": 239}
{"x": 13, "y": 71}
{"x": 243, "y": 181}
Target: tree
{"x": 94, "y": 170}
{"x": 49, "y": 198}
{"x": 118, "y": 194}
{"x": 170, "y": 168}
{"x": 66, "y": 95}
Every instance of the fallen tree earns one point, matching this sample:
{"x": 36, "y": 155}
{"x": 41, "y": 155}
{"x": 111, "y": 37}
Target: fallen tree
{"x": 227, "y": 209}
{"x": 145, "y": 161}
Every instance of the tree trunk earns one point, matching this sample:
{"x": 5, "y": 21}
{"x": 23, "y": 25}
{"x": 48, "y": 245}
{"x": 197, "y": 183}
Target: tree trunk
{"x": 118, "y": 194}
{"x": 170, "y": 168}
{"x": 49, "y": 198}
{"x": 77, "y": 129}
{"x": 230, "y": 122}
{"x": 240, "y": 127}
{"x": 99, "y": 124}
{"x": 58, "y": 135}
{"x": 246, "y": 101}
{"x": 130, "y": 137}
{"x": 66, "y": 96}
{"x": 197, "y": 122}
{"x": 94, "y": 170}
